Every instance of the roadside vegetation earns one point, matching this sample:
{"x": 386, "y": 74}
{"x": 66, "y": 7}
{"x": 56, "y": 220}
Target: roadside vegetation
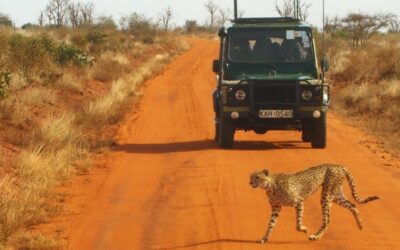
{"x": 364, "y": 51}
{"x": 64, "y": 82}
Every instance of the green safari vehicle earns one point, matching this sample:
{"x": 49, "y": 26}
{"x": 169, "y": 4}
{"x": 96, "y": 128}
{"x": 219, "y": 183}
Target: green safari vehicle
{"x": 268, "y": 78}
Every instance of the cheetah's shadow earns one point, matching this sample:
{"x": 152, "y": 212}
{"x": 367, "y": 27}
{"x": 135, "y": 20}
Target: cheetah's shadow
{"x": 189, "y": 245}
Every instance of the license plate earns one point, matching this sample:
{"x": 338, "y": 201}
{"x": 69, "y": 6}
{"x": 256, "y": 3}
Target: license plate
{"x": 275, "y": 113}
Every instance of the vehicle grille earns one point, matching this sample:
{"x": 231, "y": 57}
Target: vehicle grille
{"x": 274, "y": 94}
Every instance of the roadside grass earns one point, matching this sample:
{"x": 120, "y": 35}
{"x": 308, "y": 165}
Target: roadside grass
{"x": 14, "y": 111}
{"x": 68, "y": 87}
{"x": 107, "y": 70}
{"x": 38, "y": 242}
{"x": 58, "y": 147}
{"x": 72, "y": 81}
{"x": 37, "y": 96}
{"x": 366, "y": 83}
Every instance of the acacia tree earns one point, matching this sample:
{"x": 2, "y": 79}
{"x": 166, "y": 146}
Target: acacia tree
{"x": 191, "y": 26}
{"x": 56, "y": 11}
{"x": 333, "y": 25}
{"x": 74, "y": 14}
{"x": 286, "y": 8}
{"x": 5, "y": 20}
{"x": 223, "y": 15}
{"x": 165, "y": 18}
{"x": 394, "y": 25}
{"x": 87, "y": 13}
{"x": 212, "y": 9}
{"x": 362, "y": 26}
{"x": 41, "y": 19}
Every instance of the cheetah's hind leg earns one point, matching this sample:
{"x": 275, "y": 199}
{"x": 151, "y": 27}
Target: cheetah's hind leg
{"x": 299, "y": 218}
{"x": 341, "y": 200}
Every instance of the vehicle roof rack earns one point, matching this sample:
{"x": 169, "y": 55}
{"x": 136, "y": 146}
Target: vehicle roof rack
{"x": 252, "y": 20}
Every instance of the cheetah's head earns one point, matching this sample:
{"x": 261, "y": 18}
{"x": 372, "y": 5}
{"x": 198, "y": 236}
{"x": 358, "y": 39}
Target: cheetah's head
{"x": 257, "y": 179}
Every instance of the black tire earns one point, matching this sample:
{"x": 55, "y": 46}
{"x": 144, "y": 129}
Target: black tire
{"x": 226, "y": 133}
{"x": 307, "y": 131}
{"x": 319, "y": 132}
{"x": 216, "y": 137}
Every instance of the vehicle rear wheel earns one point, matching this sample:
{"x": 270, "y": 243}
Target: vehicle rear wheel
{"x": 319, "y": 132}
{"x": 226, "y": 133}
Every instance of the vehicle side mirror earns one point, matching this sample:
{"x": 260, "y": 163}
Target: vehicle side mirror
{"x": 325, "y": 64}
{"x": 216, "y": 67}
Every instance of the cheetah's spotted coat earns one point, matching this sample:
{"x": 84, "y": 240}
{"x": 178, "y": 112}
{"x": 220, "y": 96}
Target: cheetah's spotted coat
{"x": 292, "y": 190}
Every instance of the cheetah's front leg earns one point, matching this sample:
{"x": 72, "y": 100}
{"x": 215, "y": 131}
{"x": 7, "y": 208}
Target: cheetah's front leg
{"x": 299, "y": 217}
{"x": 274, "y": 217}
{"x": 326, "y": 203}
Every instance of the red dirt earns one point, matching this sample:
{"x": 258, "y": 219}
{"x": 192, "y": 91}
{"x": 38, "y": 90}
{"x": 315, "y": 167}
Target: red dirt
{"x": 168, "y": 186}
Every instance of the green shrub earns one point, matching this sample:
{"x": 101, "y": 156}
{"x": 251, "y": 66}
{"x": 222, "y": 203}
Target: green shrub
{"x": 66, "y": 54}
{"x": 79, "y": 40}
{"x": 49, "y": 44}
{"x": 96, "y": 37}
{"x": 142, "y": 28}
{"x": 28, "y": 55}
{"x": 5, "y": 80}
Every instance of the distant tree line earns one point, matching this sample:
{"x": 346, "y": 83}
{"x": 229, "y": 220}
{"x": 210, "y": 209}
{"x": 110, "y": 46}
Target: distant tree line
{"x": 360, "y": 27}
{"x": 59, "y": 13}
{"x": 5, "y": 20}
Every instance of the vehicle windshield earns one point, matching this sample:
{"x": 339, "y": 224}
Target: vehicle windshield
{"x": 270, "y": 46}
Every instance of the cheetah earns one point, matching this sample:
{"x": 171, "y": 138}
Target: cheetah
{"x": 292, "y": 189}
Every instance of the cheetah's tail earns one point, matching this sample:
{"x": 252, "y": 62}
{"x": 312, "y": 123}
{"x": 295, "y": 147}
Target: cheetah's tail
{"x": 350, "y": 179}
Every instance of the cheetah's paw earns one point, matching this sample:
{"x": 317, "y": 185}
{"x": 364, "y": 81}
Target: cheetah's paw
{"x": 302, "y": 229}
{"x": 263, "y": 241}
{"x": 314, "y": 237}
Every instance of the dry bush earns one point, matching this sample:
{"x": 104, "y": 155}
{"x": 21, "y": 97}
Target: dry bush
{"x": 377, "y": 103}
{"x": 379, "y": 59}
{"x": 48, "y": 159}
{"x": 391, "y": 88}
{"x": 58, "y": 133}
{"x": 28, "y": 55}
{"x": 72, "y": 81}
{"x": 36, "y": 242}
{"x": 80, "y": 40}
{"x": 14, "y": 111}
{"x": 110, "y": 108}
{"x": 60, "y": 145}
{"x": 4, "y": 48}
{"x": 37, "y": 96}
{"x": 18, "y": 81}
{"x": 108, "y": 69}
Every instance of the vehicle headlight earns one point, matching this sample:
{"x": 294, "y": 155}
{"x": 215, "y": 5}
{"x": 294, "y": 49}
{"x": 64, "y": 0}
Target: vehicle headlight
{"x": 306, "y": 95}
{"x": 325, "y": 96}
{"x": 240, "y": 95}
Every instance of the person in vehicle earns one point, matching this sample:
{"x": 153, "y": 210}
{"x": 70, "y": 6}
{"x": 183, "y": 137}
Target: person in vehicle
{"x": 292, "y": 51}
{"x": 262, "y": 50}
{"x": 240, "y": 51}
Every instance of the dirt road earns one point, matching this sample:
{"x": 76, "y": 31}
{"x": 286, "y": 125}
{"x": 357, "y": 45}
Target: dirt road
{"x": 170, "y": 187}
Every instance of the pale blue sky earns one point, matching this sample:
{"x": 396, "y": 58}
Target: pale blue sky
{"x": 24, "y": 11}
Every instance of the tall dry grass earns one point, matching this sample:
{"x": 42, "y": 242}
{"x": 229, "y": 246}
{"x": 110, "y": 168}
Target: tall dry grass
{"x": 110, "y": 108}
{"x": 367, "y": 84}
{"x": 57, "y": 137}
{"x": 56, "y": 149}
{"x": 48, "y": 158}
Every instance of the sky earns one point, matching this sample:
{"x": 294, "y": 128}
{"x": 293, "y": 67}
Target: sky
{"x": 25, "y": 11}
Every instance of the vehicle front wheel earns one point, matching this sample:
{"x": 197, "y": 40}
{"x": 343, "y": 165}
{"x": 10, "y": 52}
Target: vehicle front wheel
{"x": 226, "y": 133}
{"x": 307, "y": 131}
{"x": 319, "y": 132}
{"x": 216, "y": 137}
